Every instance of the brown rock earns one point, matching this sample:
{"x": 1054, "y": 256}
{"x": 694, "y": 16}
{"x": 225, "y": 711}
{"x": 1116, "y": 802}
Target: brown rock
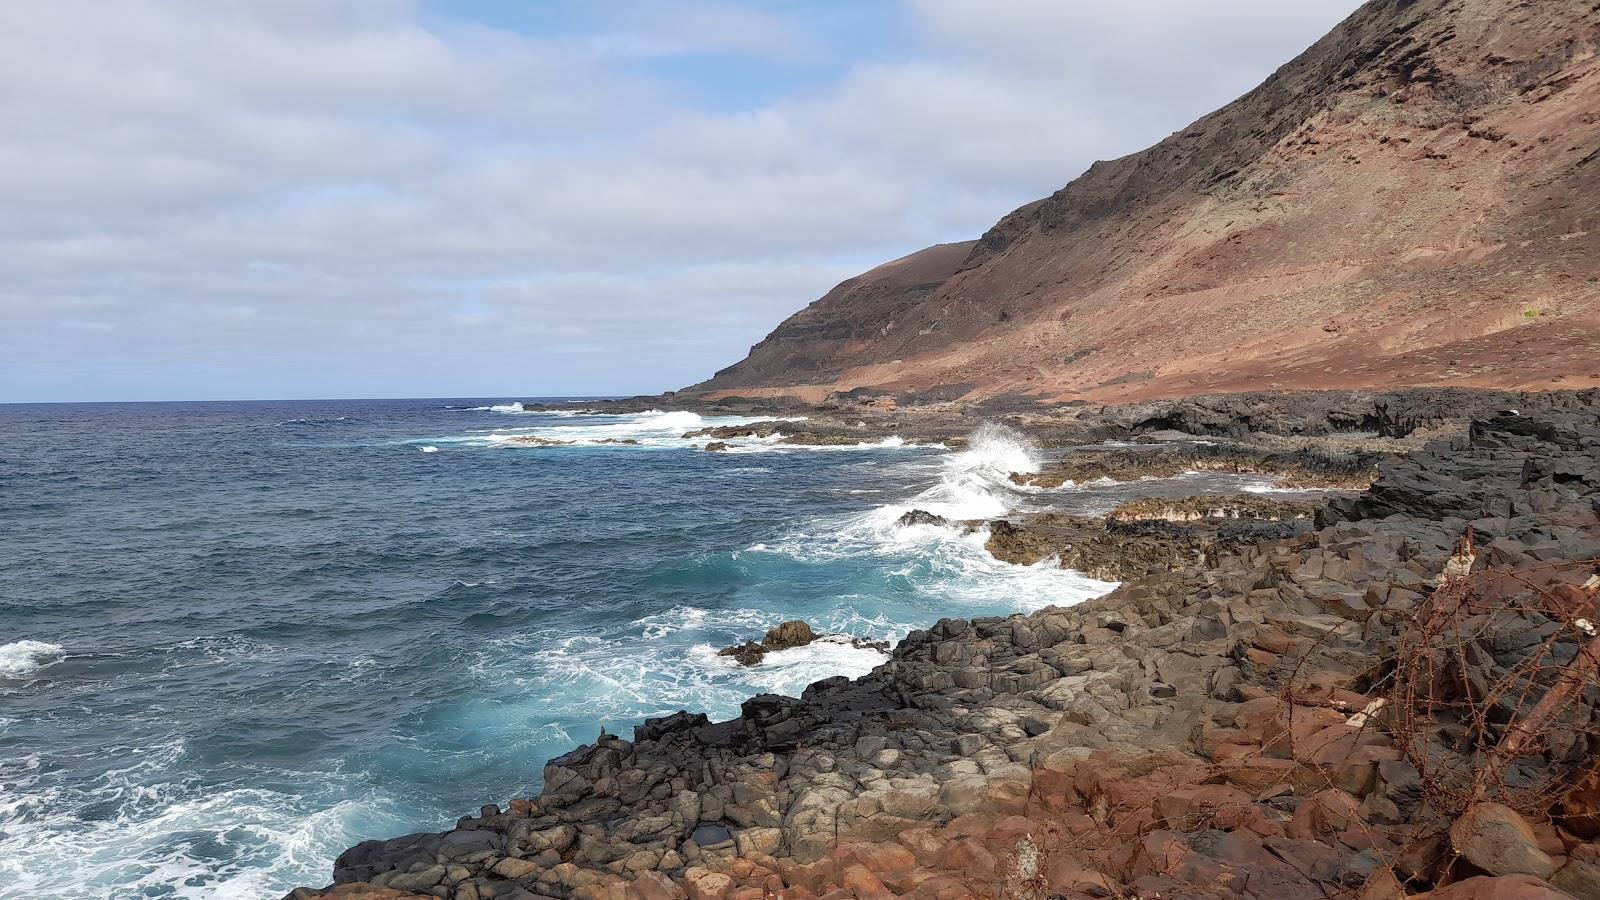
{"x": 1494, "y": 838}
{"x": 1198, "y": 807}
{"x": 515, "y": 868}
{"x": 790, "y": 634}
{"x": 882, "y": 858}
{"x": 656, "y": 886}
{"x": 969, "y": 855}
{"x": 1382, "y": 885}
{"x": 704, "y": 884}
{"x": 926, "y": 846}
{"x": 1508, "y": 887}
{"x": 1580, "y": 877}
{"x": 1256, "y": 774}
{"x": 1581, "y": 807}
{"x": 1067, "y": 875}
{"x": 1324, "y": 814}
{"x": 863, "y": 884}
{"x": 363, "y": 891}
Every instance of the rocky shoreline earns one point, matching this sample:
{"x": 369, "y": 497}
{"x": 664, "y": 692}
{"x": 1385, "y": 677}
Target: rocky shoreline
{"x": 1242, "y": 719}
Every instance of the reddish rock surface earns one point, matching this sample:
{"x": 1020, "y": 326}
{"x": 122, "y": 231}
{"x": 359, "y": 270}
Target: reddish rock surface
{"x": 1412, "y": 201}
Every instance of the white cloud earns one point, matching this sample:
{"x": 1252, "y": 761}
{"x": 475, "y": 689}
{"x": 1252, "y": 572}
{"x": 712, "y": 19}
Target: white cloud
{"x": 308, "y": 198}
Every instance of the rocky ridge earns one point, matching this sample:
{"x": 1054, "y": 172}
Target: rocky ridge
{"x": 1411, "y": 201}
{"x": 1217, "y": 730}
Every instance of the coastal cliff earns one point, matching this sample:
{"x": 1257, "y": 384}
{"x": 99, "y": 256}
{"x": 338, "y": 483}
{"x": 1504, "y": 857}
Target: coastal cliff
{"x": 1247, "y": 726}
{"x": 1411, "y": 201}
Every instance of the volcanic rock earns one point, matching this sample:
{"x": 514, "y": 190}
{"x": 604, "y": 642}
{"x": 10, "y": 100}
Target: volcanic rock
{"x": 1498, "y": 841}
{"x": 920, "y": 517}
{"x": 782, "y": 637}
{"x": 1408, "y": 202}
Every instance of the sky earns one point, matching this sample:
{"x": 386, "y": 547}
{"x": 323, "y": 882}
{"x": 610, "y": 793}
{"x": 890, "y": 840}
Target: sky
{"x": 220, "y": 199}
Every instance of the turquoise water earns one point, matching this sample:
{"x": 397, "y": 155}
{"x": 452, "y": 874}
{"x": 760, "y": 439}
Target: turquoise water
{"x": 236, "y": 638}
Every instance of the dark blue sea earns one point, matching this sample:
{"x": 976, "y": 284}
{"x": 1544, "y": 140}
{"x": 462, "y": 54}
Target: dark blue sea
{"x": 236, "y": 638}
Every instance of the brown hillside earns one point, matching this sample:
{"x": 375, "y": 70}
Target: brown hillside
{"x": 1414, "y": 200}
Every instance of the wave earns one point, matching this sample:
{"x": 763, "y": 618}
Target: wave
{"x": 517, "y": 409}
{"x": 677, "y": 421}
{"x": 949, "y": 564}
{"x": 1270, "y": 488}
{"x": 613, "y": 430}
{"x": 428, "y": 448}
{"x": 21, "y": 658}
{"x": 790, "y": 671}
{"x": 775, "y": 442}
{"x": 667, "y": 661}
{"x": 649, "y": 429}
{"x": 313, "y": 420}
{"x": 976, "y": 483}
{"x": 148, "y": 829}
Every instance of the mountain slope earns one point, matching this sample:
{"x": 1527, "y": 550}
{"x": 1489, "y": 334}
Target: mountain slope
{"x": 1412, "y": 201}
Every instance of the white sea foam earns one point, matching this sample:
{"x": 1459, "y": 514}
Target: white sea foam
{"x": 679, "y": 421}
{"x": 501, "y": 408}
{"x": 153, "y": 832}
{"x": 789, "y": 671}
{"x": 949, "y": 565}
{"x": 428, "y": 448}
{"x": 21, "y": 658}
{"x": 651, "y": 429}
{"x": 976, "y": 483}
{"x": 1267, "y": 487}
{"x": 776, "y": 442}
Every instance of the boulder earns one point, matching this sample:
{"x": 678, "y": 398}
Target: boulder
{"x": 1508, "y": 887}
{"x": 920, "y": 517}
{"x": 1494, "y": 838}
{"x": 782, "y": 637}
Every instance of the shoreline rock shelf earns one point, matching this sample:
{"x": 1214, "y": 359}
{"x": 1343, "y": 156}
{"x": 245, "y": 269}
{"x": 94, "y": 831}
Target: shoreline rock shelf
{"x": 1224, "y": 728}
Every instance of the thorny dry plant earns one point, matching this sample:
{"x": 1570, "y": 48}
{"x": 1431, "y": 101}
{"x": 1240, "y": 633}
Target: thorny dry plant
{"x": 1491, "y": 691}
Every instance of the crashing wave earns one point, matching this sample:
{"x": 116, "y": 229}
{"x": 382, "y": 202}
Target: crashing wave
{"x": 501, "y": 408}
{"x": 24, "y": 657}
{"x": 790, "y": 671}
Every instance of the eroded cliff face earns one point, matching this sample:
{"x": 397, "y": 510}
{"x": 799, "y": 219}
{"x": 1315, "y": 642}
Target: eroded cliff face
{"x": 1412, "y": 201}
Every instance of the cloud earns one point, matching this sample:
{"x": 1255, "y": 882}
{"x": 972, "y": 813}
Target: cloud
{"x": 372, "y": 197}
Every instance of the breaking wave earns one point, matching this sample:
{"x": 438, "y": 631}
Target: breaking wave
{"x": 949, "y": 563}
{"x": 653, "y": 428}
{"x": 22, "y": 658}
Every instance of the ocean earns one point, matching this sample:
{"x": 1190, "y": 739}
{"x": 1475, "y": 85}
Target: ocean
{"x": 236, "y": 638}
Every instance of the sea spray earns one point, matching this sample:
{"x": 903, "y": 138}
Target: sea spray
{"x": 975, "y": 482}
